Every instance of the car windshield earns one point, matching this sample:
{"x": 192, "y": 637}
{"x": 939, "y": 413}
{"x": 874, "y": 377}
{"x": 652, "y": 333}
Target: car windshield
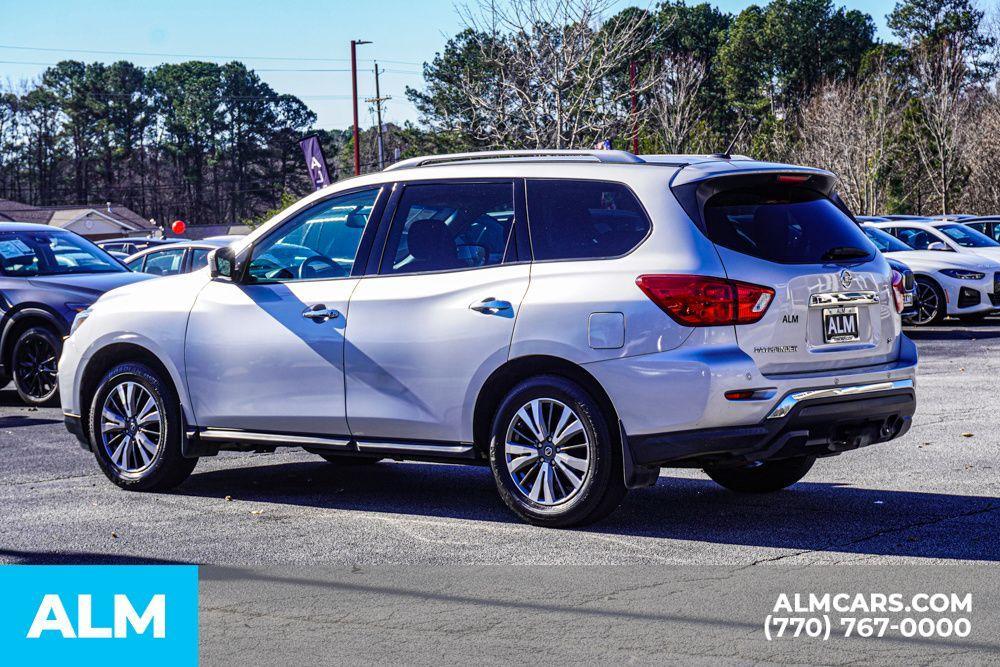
{"x": 968, "y": 237}
{"x": 885, "y": 242}
{"x": 44, "y": 253}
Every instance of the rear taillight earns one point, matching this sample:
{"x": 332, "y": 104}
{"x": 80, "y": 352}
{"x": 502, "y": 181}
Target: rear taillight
{"x": 898, "y": 291}
{"x": 703, "y": 301}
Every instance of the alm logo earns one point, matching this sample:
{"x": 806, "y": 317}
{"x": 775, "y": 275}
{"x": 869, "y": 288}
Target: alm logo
{"x": 52, "y": 617}
{"x": 73, "y": 614}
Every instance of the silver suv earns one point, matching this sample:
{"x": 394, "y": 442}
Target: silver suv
{"x": 576, "y": 320}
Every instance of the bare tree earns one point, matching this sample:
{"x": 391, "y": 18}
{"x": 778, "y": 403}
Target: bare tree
{"x": 677, "y": 108}
{"x": 982, "y": 194}
{"x": 945, "y": 103}
{"x": 851, "y": 129}
{"x": 558, "y": 74}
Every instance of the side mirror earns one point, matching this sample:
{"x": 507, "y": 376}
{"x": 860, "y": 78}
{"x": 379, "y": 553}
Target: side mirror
{"x": 224, "y": 264}
{"x": 938, "y": 245}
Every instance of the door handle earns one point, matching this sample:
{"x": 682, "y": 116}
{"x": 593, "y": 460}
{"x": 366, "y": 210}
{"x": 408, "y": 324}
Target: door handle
{"x": 320, "y": 313}
{"x": 490, "y": 306}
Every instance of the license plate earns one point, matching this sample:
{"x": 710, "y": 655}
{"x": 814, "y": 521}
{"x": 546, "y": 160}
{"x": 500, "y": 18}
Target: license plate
{"x": 908, "y": 299}
{"x": 840, "y": 325}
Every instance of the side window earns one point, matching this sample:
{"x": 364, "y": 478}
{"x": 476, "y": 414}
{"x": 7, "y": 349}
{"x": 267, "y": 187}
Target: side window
{"x": 199, "y": 258}
{"x": 583, "y": 219}
{"x": 449, "y": 226}
{"x": 320, "y": 242}
{"x": 915, "y": 238}
{"x": 164, "y": 262}
{"x": 135, "y": 264}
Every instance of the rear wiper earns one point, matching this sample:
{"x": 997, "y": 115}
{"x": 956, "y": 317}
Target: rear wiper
{"x": 844, "y": 252}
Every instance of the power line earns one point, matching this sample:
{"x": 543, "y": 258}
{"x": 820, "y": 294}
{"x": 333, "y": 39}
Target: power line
{"x": 192, "y": 55}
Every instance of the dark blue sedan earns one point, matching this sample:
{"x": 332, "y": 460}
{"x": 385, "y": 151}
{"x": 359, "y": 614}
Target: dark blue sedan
{"x": 47, "y": 276}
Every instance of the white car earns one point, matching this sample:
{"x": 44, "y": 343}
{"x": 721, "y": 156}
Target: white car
{"x": 575, "y": 320}
{"x": 948, "y": 283}
{"x": 942, "y": 236}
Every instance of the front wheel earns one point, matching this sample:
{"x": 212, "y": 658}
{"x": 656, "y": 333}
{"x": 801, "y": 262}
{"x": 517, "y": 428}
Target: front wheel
{"x": 766, "y": 477}
{"x": 553, "y": 455}
{"x": 35, "y": 361}
{"x": 931, "y": 304}
{"x": 136, "y": 429}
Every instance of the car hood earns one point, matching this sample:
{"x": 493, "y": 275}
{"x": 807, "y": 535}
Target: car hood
{"x": 88, "y": 284}
{"x": 935, "y": 260}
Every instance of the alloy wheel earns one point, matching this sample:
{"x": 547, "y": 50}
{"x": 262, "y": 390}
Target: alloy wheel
{"x": 132, "y": 427}
{"x": 36, "y": 366}
{"x": 547, "y": 451}
{"x": 928, "y": 304}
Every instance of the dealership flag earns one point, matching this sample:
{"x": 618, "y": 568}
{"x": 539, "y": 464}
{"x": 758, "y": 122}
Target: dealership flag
{"x": 315, "y": 162}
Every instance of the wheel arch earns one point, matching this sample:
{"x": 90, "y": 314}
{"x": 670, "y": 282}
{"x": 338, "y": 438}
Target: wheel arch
{"x": 24, "y": 318}
{"x": 113, "y": 354}
{"x": 507, "y": 376}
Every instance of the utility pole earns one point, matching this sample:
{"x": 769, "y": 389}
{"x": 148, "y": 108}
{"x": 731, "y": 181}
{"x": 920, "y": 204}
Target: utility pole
{"x": 377, "y": 101}
{"x": 635, "y": 116}
{"x": 354, "y": 98}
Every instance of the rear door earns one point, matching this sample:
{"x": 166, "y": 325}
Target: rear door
{"x": 833, "y": 305}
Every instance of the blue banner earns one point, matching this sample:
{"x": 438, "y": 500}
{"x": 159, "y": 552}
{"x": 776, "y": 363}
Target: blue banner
{"x": 315, "y": 162}
{"x": 89, "y": 614}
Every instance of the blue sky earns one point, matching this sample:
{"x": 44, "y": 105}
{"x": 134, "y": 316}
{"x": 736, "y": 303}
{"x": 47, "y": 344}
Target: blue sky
{"x": 275, "y": 35}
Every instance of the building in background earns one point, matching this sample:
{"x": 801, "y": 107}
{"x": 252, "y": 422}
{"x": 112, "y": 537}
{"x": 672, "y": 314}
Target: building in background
{"x": 94, "y": 222}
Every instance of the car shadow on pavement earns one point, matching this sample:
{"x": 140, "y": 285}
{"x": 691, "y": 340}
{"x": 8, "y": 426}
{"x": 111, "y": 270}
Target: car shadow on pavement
{"x": 810, "y": 516}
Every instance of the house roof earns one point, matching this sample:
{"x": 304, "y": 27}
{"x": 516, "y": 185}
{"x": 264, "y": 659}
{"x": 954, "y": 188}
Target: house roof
{"x": 61, "y": 216}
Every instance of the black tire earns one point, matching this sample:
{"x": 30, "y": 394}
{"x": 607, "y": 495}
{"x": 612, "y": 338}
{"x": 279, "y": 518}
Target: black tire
{"x": 931, "y": 304}
{"x": 601, "y": 487}
{"x": 345, "y": 459}
{"x": 167, "y": 467}
{"x": 34, "y": 362}
{"x": 767, "y": 477}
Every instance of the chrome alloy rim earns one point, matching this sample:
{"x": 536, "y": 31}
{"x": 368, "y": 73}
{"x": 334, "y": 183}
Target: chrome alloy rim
{"x": 547, "y": 451}
{"x": 131, "y": 427}
{"x": 928, "y": 304}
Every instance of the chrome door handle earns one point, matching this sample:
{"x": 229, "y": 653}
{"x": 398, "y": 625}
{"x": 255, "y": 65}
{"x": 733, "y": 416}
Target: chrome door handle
{"x": 490, "y": 306}
{"x": 320, "y": 313}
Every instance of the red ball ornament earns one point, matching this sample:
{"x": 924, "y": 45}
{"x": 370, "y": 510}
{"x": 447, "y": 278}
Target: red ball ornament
{"x": 178, "y": 227}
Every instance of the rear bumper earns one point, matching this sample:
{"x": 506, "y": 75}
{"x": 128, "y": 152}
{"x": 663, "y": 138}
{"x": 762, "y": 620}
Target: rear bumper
{"x": 817, "y": 422}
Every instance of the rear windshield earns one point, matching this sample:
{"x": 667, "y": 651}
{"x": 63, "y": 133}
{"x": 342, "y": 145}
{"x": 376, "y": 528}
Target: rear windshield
{"x": 785, "y": 224}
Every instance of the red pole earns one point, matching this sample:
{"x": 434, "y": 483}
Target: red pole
{"x": 635, "y": 117}
{"x": 354, "y": 99}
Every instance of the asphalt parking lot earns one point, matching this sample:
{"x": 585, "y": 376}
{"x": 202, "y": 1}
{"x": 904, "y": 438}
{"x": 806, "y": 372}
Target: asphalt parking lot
{"x": 301, "y": 541}
{"x": 934, "y": 494}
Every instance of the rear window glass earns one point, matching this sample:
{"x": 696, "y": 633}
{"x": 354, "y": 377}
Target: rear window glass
{"x": 583, "y": 219}
{"x": 787, "y": 225}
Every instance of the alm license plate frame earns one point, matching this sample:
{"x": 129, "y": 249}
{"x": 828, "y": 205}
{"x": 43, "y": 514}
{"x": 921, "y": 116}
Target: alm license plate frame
{"x": 842, "y": 332}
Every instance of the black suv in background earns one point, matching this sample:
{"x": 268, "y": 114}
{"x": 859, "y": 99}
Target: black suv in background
{"x": 47, "y": 276}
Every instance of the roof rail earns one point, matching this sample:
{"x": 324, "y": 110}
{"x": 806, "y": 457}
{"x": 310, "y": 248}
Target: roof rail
{"x": 612, "y": 157}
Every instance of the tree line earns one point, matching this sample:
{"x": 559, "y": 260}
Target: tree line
{"x": 910, "y": 125}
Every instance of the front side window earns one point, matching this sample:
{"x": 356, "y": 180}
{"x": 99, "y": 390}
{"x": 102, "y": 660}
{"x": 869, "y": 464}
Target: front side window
{"x": 784, "y": 224}
{"x": 449, "y": 226}
{"x": 321, "y": 242}
{"x": 164, "y": 262}
{"x": 583, "y": 219}
{"x": 967, "y": 237}
{"x": 199, "y": 258}
{"x": 916, "y": 238}
{"x": 51, "y": 253}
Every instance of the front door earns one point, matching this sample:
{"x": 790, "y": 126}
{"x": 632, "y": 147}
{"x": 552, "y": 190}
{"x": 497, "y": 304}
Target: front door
{"x": 268, "y": 355}
{"x": 426, "y": 332}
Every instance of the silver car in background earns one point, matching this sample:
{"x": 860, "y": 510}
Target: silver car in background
{"x": 575, "y": 320}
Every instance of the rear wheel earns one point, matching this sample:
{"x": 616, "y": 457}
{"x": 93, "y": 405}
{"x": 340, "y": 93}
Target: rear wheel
{"x": 553, "y": 455}
{"x": 931, "y": 307}
{"x": 35, "y": 361}
{"x": 136, "y": 429}
{"x": 764, "y": 477}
